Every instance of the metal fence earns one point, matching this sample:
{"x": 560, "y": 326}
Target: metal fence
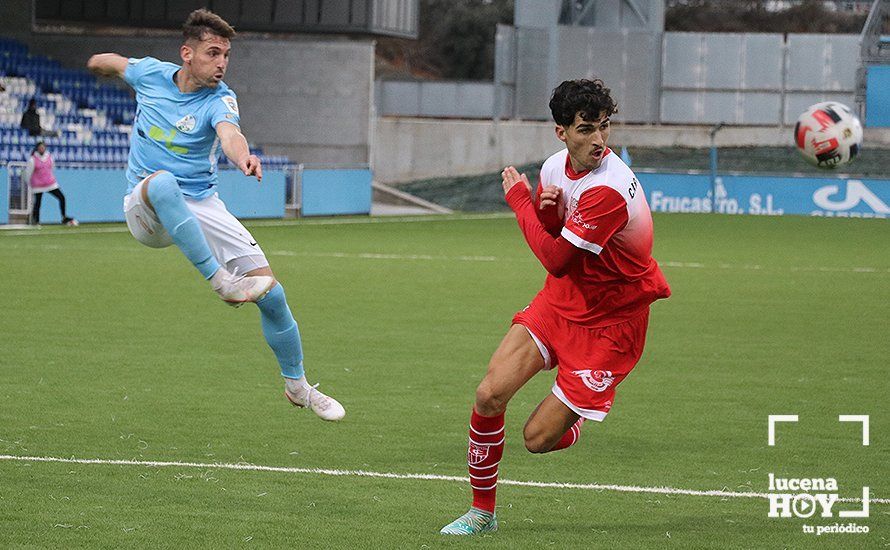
{"x": 19, "y": 193}
{"x": 754, "y": 78}
{"x": 435, "y": 99}
{"x": 21, "y": 200}
{"x": 678, "y": 78}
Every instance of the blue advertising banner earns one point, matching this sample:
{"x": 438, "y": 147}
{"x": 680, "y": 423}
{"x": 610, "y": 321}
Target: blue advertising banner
{"x": 4, "y": 196}
{"x": 767, "y": 195}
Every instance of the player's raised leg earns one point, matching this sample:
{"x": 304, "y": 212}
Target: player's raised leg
{"x": 283, "y": 336}
{"x": 161, "y": 194}
{"x": 515, "y": 362}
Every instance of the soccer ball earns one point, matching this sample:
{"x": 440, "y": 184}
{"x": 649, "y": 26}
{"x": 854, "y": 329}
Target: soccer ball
{"x": 828, "y": 134}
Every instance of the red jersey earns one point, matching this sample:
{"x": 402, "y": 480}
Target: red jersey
{"x": 606, "y": 214}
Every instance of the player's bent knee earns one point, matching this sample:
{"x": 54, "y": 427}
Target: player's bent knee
{"x": 538, "y": 444}
{"x": 163, "y": 189}
{"x": 537, "y": 447}
{"x": 489, "y": 401}
{"x": 537, "y": 440}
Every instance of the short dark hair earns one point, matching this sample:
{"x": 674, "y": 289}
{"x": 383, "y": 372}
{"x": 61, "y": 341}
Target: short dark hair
{"x": 590, "y": 98}
{"x": 203, "y": 21}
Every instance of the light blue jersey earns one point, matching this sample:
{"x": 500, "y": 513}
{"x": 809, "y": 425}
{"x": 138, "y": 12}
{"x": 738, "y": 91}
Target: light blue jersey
{"x": 175, "y": 131}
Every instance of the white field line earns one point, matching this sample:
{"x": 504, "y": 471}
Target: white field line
{"x": 287, "y": 253}
{"x": 758, "y": 267}
{"x": 389, "y": 475}
{"x": 19, "y": 245}
{"x": 374, "y": 256}
{"x": 409, "y": 257}
{"x": 26, "y": 231}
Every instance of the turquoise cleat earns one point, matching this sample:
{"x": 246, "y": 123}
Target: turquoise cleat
{"x": 474, "y": 522}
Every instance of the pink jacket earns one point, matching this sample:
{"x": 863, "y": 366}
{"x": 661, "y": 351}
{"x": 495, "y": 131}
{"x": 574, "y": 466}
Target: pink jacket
{"x": 42, "y": 175}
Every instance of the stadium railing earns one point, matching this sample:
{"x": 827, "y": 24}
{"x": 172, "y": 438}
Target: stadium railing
{"x": 20, "y": 196}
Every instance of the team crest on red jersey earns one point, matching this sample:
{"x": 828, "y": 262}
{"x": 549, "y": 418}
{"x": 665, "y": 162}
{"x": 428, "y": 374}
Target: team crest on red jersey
{"x": 597, "y": 380}
{"x": 576, "y": 217}
{"x": 476, "y": 453}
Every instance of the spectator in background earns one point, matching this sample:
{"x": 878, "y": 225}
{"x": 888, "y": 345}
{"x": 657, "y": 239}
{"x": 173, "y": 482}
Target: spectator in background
{"x": 40, "y": 178}
{"x": 31, "y": 119}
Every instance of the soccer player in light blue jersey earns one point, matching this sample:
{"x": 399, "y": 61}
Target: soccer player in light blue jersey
{"x": 185, "y": 117}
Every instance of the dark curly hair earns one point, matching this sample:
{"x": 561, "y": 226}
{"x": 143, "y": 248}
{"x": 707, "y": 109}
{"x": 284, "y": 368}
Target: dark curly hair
{"x": 202, "y": 22}
{"x": 590, "y": 98}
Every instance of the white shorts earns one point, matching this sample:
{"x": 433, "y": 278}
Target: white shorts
{"x": 230, "y": 242}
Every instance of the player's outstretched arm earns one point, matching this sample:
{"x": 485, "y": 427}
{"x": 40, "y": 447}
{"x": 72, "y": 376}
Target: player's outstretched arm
{"x": 107, "y": 64}
{"x": 234, "y": 145}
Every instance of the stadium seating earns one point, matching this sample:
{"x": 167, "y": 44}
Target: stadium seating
{"x": 93, "y": 121}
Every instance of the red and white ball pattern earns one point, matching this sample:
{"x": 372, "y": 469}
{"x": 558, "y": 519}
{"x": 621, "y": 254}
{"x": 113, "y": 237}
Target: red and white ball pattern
{"x": 828, "y": 134}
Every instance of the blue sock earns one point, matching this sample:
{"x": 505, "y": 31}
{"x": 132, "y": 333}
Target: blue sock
{"x": 281, "y": 332}
{"x": 180, "y": 223}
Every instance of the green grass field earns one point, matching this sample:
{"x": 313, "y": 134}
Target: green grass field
{"x": 114, "y": 351}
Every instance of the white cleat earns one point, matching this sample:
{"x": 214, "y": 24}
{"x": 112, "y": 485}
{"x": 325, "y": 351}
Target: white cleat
{"x": 236, "y": 291}
{"x": 326, "y": 407}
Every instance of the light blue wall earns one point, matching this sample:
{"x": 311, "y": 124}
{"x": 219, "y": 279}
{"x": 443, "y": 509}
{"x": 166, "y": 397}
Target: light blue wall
{"x": 96, "y": 195}
{"x": 333, "y": 192}
{"x": 877, "y": 97}
{"x": 245, "y": 198}
{"x": 91, "y": 196}
{"x": 765, "y": 195}
{"x": 4, "y": 196}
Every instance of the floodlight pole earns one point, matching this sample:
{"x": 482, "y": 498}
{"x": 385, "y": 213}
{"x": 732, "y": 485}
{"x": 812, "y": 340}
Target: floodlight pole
{"x": 713, "y": 134}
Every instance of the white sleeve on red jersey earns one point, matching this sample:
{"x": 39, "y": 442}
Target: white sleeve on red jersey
{"x": 601, "y": 213}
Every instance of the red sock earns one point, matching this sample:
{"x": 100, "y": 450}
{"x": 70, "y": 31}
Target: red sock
{"x": 483, "y": 457}
{"x": 570, "y": 437}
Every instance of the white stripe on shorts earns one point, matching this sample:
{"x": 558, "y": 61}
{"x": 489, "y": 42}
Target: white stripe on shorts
{"x": 589, "y": 414}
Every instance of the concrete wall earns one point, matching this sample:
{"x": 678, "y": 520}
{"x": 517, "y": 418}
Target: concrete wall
{"x": 308, "y": 97}
{"x": 413, "y": 148}
{"x": 409, "y": 148}
{"x": 419, "y": 98}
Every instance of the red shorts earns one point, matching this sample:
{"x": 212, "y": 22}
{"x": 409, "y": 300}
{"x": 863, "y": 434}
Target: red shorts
{"x": 590, "y": 362}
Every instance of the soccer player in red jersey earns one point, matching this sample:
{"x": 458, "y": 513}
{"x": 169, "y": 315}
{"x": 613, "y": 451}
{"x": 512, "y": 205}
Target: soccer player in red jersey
{"x": 590, "y": 226}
